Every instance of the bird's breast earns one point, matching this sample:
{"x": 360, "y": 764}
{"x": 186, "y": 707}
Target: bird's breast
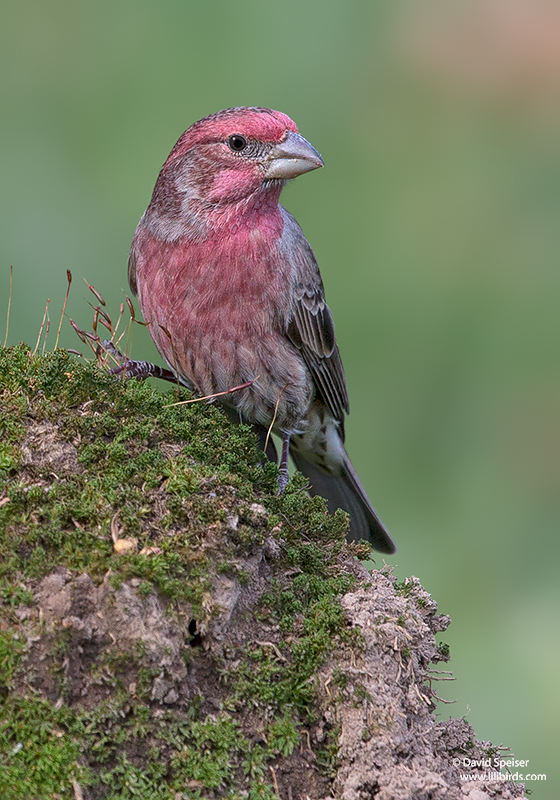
{"x": 217, "y": 311}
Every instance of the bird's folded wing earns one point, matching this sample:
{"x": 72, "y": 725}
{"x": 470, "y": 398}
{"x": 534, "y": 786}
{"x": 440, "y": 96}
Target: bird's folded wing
{"x": 310, "y": 325}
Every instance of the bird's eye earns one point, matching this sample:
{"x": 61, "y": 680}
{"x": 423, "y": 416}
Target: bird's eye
{"x": 237, "y": 142}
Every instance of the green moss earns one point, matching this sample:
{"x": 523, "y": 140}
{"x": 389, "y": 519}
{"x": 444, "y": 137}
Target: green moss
{"x": 328, "y": 755}
{"x": 14, "y": 595}
{"x": 283, "y": 737}
{"x": 117, "y": 434}
{"x": 11, "y": 655}
{"x": 39, "y": 749}
{"x": 404, "y": 588}
{"x": 277, "y": 678}
{"x": 443, "y": 651}
{"x": 9, "y": 459}
{"x": 168, "y": 477}
{"x": 207, "y": 752}
{"x": 361, "y": 694}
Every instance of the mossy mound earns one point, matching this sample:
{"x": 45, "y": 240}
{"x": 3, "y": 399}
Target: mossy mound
{"x": 171, "y": 628}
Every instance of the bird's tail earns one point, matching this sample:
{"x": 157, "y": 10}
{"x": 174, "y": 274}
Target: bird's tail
{"x": 320, "y": 455}
{"x": 345, "y": 491}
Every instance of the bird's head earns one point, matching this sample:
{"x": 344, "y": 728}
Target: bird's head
{"x": 228, "y": 156}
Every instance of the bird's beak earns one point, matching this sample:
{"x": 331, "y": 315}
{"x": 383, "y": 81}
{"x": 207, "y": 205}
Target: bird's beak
{"x": 291, "y": 157}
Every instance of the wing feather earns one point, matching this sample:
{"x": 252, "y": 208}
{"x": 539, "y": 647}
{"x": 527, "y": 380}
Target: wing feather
{"x": 310, "y": 325}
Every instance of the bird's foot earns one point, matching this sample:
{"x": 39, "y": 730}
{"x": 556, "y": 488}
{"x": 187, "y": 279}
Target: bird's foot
{"x": 139, "y": 370}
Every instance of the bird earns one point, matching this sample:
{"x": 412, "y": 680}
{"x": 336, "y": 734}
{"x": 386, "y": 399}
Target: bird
{"x": 232, "y": 295}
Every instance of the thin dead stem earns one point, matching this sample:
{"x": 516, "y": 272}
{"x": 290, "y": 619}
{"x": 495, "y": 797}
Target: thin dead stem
{"x": 47, "y": 329}
{"x": 269, "y": 431}
{"x": 95, "y": 319}
{"x": 69, "y": 277}
{"x": 9, "y": 306}
{"x": 212, "y": 396}
{"x": 96, "y": 293}
{"x": 102, "y": 317}
{"x": 42, "y": 326}
{"x": 87, "y": 338}
{"x": 274, "y": 780}
{"x": 173, "y": 353}
{"x": 121, "y": 312}
{"x": 128, "y": 330}
{"x": 441, "y": 700}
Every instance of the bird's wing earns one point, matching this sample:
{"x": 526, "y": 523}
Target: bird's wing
{"x": 310, "y": 324}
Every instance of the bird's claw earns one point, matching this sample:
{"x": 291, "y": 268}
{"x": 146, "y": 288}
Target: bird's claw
{"x": 125, "y": 367}
{"x": 139, "y": 370}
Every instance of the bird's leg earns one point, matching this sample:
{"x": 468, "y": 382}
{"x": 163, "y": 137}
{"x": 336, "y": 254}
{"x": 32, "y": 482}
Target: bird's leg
{"x": 136, "y": 369}
{"x": 283, "y": 474}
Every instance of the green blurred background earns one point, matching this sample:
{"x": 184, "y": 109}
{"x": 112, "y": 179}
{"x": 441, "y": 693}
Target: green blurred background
{"x": 435, "y": 223}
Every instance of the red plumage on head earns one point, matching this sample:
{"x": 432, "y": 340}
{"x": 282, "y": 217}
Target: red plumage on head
{"x": 263, "y": 124}
{"x": 203, "y": 166}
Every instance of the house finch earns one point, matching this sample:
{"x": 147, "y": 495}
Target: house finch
{"x": 232, "y": 295}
